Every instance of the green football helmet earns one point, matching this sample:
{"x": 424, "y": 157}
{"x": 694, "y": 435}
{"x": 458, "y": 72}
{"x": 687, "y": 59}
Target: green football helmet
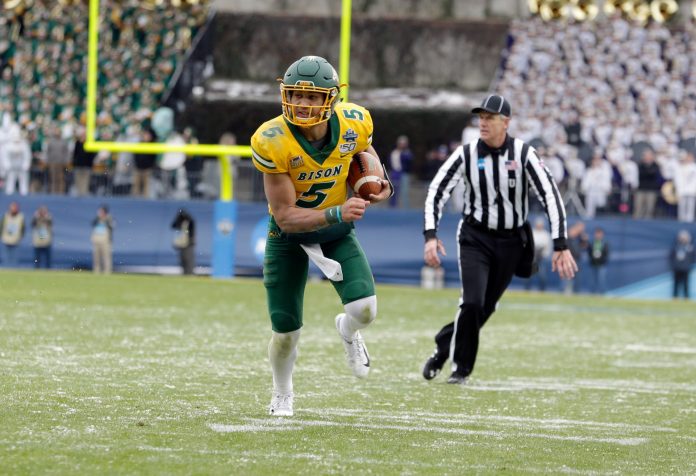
{"x": 310, "y": 74}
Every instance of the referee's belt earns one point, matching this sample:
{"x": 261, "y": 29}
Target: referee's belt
{"x": 477, "y": 225}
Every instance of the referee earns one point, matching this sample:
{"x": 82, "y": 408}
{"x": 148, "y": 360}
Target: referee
{"x": 498, "y": 171}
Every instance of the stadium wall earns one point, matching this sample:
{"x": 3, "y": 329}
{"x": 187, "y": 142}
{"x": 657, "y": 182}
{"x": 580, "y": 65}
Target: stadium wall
{"x": 384, "y": 53}
{"x": 143, "y": 237}
{"x": 458, "y": 9}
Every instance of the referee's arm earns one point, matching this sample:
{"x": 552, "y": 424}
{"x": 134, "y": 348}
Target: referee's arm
{"x": 446, "y": 178}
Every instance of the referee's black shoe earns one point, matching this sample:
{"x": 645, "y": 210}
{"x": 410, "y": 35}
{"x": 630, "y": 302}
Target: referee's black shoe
{"x": 458, "y": 379}
{"x": 433, "y": 365}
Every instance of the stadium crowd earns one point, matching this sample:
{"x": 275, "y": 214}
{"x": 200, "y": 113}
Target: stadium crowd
{"x": 604, "y": 101}
{"x": 43, "y": 77}
{"x": 610, "y": 105}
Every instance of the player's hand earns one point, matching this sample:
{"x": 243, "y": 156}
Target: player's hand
{"x": 563, "y": 263}
{"x": 353, "y": 209}
{"x": 432, "y": 247}
{"x": 383, "y": 194}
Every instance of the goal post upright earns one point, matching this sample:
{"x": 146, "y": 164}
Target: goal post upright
{"x": 344, "y": 54}
{"x": 225, "y": 213}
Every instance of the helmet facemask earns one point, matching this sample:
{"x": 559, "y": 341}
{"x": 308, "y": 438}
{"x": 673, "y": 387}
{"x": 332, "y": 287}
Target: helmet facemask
{"x": 318, "y": 114}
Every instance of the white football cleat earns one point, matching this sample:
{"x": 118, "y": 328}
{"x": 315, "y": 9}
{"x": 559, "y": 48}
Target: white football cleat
{"x": 281, "y": 404}
{"x": 356, "y": 353}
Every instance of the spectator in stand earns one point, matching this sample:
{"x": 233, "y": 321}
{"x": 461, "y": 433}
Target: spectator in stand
{"x": 625, "y": 173}
{"x": 42, "y": 237}
{"x": 572, "y": 127}
{"x": 649, "y": 182}
{"x": 682, "y": 258}
{"x": 434, "y": 159}
{"x": 56, "y": 152}
{"x": 543, "y": 249}
{"x": 102, "y": 239}
{"x": 123, "y": 168}
{"x": 43, "y": 52}
{"x": 11, "y": 233}
{"x": 596, "y": 186}
{"x": 578, "y": 243}
{"x": 554, "y": 163}
{"x": 185, "y": 240}
{"x": 598, "y": 250}
{"x": 400, "y": 161}
{"x": 15, "y": 156}
{"x": 685, "y": 187}
{"x": 38, "y": 173}
{"x": 82, "y": 162}
{"x": 102, "y": 167}
{"x": 189, "y": 175}
{"x": 144, "y": 164}
{"x": 668, "y": 161}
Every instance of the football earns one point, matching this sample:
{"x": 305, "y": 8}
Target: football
{"x": 364, "y": 175}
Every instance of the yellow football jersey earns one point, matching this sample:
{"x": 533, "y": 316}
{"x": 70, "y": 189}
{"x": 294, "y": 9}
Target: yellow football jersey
{"x": 319, "y": 176}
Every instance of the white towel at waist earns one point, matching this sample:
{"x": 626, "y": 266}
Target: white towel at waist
{"x": 331, "y": 268}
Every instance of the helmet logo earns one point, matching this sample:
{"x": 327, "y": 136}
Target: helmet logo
{"x": 305, "y": 83}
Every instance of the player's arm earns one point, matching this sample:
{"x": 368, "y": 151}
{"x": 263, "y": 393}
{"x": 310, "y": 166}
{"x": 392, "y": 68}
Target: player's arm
{"x": 280, "y": 193}
{"x": 387, "y": 188}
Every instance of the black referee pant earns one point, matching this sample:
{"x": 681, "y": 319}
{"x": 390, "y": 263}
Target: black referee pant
{"x": 487, "y": 262}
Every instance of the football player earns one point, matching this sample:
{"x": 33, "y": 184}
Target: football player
{"x": 304, "y": 155}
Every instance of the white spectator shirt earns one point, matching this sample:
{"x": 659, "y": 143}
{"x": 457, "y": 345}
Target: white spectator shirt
{"x": 685, "y": 180}
{"x": 555, "y": 166}
{"x": 596, "y": 181}
{"x": 629, "y": 173}
{"x": 16, "y": 155}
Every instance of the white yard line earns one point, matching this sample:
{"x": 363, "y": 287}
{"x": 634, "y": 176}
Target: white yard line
{"x": 661, "y": 349}
{"x": 296, "y": 424}
{"x": 594, "y": 309}
{"x": 651, "y": 365}
{"x": 635, "y": 386}
{"x": 488, "y": 419}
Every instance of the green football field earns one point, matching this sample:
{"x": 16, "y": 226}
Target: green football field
{"x": 128, "y": 374}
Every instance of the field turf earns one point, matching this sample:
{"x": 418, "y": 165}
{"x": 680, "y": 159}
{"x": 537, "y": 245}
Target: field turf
{"x": 128, "y": 374}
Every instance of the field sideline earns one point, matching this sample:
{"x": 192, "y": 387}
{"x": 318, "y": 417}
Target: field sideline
{"x": 129, "y": 374}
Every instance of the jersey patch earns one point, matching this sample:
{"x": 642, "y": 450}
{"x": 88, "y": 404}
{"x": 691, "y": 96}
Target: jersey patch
{"x": 346, "y": 148}
{"x": 296, "y": 162}
{"x": 350, "y": 136}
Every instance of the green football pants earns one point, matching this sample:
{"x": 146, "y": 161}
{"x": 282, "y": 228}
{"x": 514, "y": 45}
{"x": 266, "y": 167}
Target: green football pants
{"x": 285, "y": 268}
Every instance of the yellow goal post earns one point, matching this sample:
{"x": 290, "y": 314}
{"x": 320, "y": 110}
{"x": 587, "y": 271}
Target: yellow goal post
{"x": 210, "y": 150}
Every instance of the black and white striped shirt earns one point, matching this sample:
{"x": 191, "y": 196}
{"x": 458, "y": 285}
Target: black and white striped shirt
{"x": 496, "y": 186}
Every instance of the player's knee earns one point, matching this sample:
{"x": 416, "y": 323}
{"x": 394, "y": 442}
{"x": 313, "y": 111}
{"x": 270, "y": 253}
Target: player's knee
{"x": 363, "y": 310}
{"x": 284, "y": 344}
